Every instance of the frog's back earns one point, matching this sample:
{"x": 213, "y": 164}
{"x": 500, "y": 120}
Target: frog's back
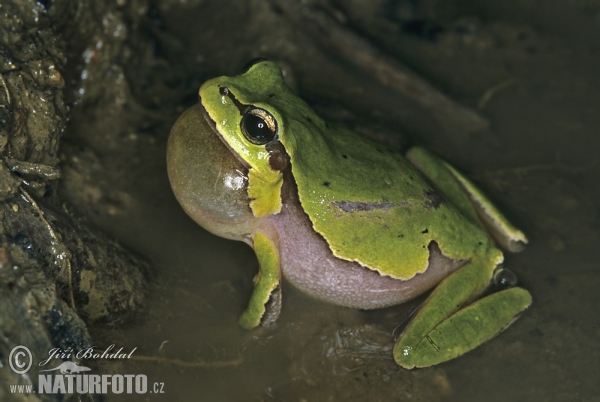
{"x": 372, "y": 206}
{"x": 308, "y": 263}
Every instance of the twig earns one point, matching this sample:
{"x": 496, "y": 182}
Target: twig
{"x": 489, "y": 94}
{"x": 185, "y": 363}
{"x": 36, "y": 169}
{"x": 523, "y": 170}
{"x": 5, "y": 88}
{"x": 386, "y": 70}
{"x": 61, "y": 257}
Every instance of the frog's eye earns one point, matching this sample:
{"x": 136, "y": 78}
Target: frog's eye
{"x": 258, "y": 126}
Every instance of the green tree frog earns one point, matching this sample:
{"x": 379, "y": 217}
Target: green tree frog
{"x": 342, "y": 218}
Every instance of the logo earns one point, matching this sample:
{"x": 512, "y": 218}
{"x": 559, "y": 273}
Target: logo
{"x": 69, "y": 368}
{"x": 20, "y": 359}
{"x": 71, "y": 378}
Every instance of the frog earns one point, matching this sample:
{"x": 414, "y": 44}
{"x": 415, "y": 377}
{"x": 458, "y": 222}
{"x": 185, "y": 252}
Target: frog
{"x": 342, "y": 218}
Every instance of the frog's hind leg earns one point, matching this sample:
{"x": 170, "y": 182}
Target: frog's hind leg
{"x": 467, "y": 198}
{"x": 448, "y": 324}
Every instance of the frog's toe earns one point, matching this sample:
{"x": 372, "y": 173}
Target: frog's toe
{"x": 462, "y": 331}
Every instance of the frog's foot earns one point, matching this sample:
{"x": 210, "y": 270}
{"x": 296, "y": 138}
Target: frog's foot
{"x": 446, "y": 325}
{"x": 265, "y": 302}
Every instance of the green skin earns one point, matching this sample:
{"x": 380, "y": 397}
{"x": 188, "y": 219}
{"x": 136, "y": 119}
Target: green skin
{"x": 372, "y": 206}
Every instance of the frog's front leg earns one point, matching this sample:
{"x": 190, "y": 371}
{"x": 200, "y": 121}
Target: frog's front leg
{"x": 449, "y": 324}
{"x": 265, "y": 302}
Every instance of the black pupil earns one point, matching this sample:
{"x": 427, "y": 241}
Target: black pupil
{"x": 258, "y": 129}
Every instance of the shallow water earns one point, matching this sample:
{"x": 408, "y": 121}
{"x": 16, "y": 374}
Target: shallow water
{"x": 538, "y": 161}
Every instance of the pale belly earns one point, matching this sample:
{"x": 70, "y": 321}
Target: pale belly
{"x": 308, "y": 264}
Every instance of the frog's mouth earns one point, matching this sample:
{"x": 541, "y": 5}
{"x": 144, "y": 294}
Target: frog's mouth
{"x": 213, "y": 125}
{"x": 209, "y": 120}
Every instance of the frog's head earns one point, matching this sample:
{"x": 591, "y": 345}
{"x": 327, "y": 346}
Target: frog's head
{"x": 224, "y": 157}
